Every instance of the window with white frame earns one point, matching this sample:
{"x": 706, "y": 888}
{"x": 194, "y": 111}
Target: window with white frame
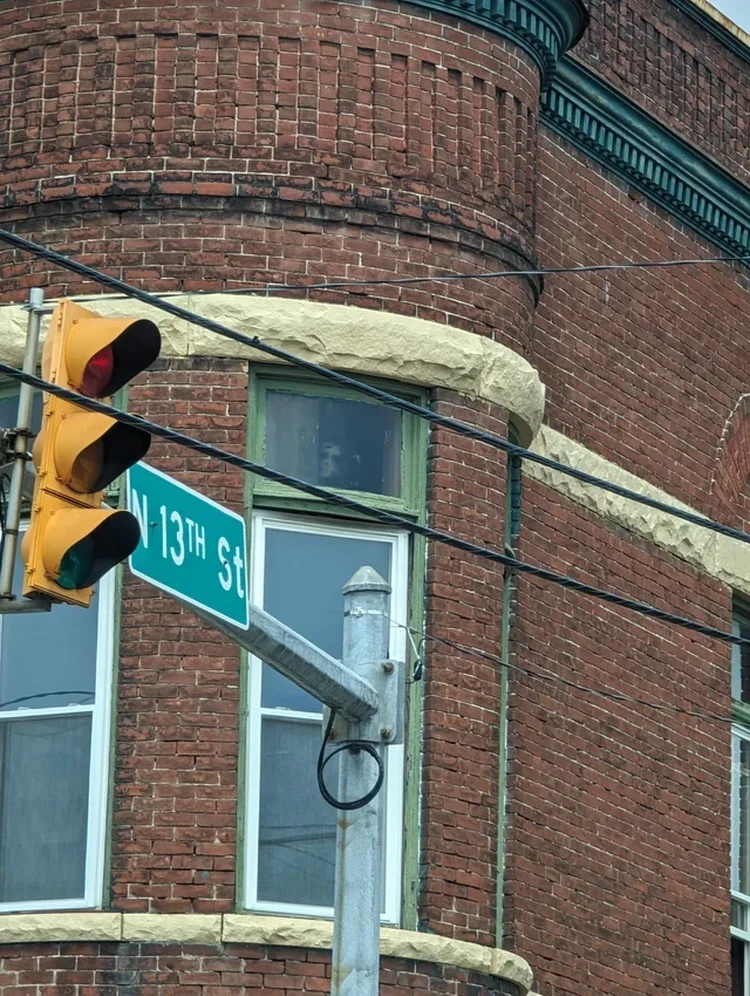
{"x": 741, "y": 810}
{"x": 301, "y": 557}
{"x": 55, "y": 691}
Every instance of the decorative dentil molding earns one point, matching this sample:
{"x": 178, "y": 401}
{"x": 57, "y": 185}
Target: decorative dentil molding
{"x": 544, "y": 29}
{"x": 621, "y": 136}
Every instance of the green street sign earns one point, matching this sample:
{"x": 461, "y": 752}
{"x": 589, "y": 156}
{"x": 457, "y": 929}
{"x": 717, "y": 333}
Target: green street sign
{"x": 190, "y": 547}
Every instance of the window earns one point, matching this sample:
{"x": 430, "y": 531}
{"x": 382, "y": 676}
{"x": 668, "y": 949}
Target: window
{"x": 741, "y": 810}
{"x": 55, "y": 689}
{"x": 301, "y": 557}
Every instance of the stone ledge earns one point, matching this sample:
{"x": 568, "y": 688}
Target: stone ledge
{"x": 248, "y": 928}
{"x": 30, "y": 928}
{"x": 184, "y": 928}
{"x": 355, "y": 340}
{"x": 712, "y": 553}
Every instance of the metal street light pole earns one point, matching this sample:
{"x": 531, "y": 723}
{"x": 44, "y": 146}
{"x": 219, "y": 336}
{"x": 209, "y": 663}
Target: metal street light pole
{"x": 356, "y": 918}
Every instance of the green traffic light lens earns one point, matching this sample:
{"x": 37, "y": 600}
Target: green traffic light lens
{"x": 110, "y": 542}
{"x": 75, "y": 567}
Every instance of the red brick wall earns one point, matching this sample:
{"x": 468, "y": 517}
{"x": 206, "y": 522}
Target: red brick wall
{"x": 460, "y": 754}
{"x": 230, "y": 145}
{"x": 644, "y": 367}
{"x": 204, "y": 970}
{"x": 177, "y": 724}
{"x": 676, "y": 70}
{"x": 618, "y": 837}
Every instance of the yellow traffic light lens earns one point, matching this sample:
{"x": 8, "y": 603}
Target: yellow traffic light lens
{"x": 91, "y": 451}
{"x": 98, "y": 373}
{"x": 87, "y": 468}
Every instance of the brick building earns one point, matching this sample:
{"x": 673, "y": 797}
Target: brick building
{"x": 160, "y": 826}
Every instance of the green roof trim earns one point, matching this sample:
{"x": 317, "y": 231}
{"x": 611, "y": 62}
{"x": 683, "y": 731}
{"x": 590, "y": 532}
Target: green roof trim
{"x": 544, "y": 29}
{"x": 640, "y": 150}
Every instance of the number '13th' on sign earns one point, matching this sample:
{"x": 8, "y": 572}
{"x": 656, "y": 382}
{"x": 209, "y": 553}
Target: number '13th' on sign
{"x": 190, "y": 546}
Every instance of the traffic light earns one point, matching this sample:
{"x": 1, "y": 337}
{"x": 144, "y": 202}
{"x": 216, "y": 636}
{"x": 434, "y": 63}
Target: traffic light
{"x": 72, "y": 541}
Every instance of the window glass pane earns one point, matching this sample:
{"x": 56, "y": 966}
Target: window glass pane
{"x": 9, "y": 411}
{"x": 741, "y": 663}
{"x": 47, "y": 653}
{"x": 741, "y": 815}
{"x": 304, "y": 575}
{"x": 739, "y": 958}
{"x": 44, "y": 778}
{"x": 334, "y": 442}
{"x": 297, "y": 843}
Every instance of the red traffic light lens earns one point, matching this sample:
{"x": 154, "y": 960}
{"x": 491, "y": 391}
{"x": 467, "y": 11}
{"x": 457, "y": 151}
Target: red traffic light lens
{"x": 98, "y": 373}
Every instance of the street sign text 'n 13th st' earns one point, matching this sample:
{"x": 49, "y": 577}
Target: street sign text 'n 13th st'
{"x": 190, "y": 546}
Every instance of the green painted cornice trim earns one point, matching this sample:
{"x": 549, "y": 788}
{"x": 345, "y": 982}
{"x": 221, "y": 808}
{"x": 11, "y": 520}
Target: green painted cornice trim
{"x": 544, "y": 29}
{"x": 714, "y": 27}
{"x": 634, "y": 145}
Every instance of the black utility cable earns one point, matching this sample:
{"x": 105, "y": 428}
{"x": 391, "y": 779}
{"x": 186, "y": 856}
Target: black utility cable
{"x": 355, "y": 747}
{"x": 379, "y": 515}
{"x": 391, "y": 400}
{"x": 494, "y": 274}
{"x": 548, "y": 675}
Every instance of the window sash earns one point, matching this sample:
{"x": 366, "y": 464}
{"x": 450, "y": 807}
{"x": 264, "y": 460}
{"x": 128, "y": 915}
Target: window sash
{"x": 413, "y": 440}
{"x": 392, "y": 864}
{"x": 100, "y": 712}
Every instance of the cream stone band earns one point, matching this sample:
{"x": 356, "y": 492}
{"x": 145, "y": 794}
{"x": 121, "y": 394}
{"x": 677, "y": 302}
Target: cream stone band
{"x": 238, "y": 928}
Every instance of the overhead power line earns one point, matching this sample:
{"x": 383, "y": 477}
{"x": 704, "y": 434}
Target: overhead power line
{"x": 379, "y": 515}
{"x": 546, "y": 674}
{"x": 495, "y": 274}
{"x": 385, "y": 397}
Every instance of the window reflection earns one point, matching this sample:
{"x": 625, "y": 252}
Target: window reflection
{"x": 334, "y": 442}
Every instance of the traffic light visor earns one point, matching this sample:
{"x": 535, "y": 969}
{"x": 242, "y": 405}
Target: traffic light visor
{"x": 91, "y": 451}
{"x": 79, "y": 546}
{"x": 103, "y": 354}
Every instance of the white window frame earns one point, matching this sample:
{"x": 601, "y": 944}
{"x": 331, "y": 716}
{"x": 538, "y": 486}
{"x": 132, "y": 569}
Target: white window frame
{"x": 739, "y": 732}
{"x": 101, "y": 718}
{"x": 394, "y": 786}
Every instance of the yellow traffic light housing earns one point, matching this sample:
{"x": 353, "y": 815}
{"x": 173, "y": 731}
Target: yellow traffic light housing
{"x": 71, "y": 541}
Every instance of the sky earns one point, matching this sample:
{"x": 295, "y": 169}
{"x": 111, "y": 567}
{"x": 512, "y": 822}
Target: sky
{"x": 736, "y": 10}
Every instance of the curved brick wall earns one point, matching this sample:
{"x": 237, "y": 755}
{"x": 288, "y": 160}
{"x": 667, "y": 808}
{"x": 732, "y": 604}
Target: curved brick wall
{"x": 293, "y": 142}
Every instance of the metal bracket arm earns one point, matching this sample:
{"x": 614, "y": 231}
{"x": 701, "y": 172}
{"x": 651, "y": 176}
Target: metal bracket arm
{"x": 325, "y": 678}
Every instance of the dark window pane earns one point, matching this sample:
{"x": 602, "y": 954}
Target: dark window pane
{"x": 44, "y": 784}
{"x": 741, "y": 664}
{"x": 297, "y": 844}
{"x": 9, "y": 411}
{"x": 334, "y": 442}
{"x": 739, "y": 953}
{"x": 304, "y": 575}
{"x": 741, "y": 815}
{"x": 46, "y": 653}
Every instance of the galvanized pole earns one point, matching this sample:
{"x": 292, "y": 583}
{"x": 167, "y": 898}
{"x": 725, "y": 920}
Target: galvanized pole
{"x": 35, "y": 309}
{"x": 356, "y": 923}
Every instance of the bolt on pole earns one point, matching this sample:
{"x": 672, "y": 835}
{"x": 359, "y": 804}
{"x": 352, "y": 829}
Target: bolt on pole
{"x": 357, "y": 904}
{"x": 12, "y": 523}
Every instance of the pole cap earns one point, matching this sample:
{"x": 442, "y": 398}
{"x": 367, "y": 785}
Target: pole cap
{"x": 366, "y": 579}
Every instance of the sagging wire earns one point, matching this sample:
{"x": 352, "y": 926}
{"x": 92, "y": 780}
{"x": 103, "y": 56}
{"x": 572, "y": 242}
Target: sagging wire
{"x": 354, "y": 747}
{"x": 549, "y": 675}
{"x": 376, "y": 514}
{"x": 385, "y": 397}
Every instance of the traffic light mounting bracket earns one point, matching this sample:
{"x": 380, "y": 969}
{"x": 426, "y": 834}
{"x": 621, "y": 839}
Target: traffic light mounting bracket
{"x": 15, "y": 458}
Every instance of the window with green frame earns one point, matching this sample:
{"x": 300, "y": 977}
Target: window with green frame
{"x": 741, "y": 806}
{"x": 303, "y": 551}
{"x": 55, "y": 699}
